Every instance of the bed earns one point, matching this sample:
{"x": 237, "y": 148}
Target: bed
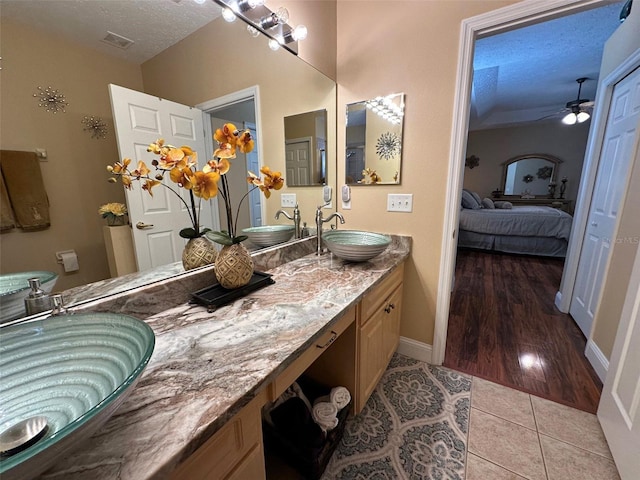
{"x": 529, "y": 230}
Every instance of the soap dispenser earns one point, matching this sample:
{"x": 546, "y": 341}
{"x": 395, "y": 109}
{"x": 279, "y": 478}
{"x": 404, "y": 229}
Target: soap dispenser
{"x": 37, "y": 301}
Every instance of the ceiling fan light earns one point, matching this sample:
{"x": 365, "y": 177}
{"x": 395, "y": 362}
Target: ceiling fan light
{"x": 582, "y": 117}
{"x": 570, "y": 119}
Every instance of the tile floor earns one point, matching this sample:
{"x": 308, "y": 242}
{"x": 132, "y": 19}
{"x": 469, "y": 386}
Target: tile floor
{"x": 515, "y": 436}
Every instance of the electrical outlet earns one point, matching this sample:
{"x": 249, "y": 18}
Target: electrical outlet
{"x": 400, "y": 202}
{"x": 288, "y": 200}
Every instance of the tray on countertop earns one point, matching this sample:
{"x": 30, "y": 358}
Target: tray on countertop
{"x": 216, "y": 296}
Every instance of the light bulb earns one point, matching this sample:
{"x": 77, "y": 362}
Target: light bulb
{"x": 299, "y": 33}
{"x": 255, "y": 3}
{"x": 570, "y": 119}
{"x": 254, "y": 32}
{"x": 273, "y": 44}
{"x": 228, "y": 15}
{"x": 582, "y": 117}
{"x": 199, "y": 2}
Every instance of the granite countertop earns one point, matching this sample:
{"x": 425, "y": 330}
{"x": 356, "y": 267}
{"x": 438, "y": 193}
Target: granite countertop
{"x": 207, "y": 366}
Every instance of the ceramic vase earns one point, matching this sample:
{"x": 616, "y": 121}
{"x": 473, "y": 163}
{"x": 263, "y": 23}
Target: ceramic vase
{"x": 198, "y": 252}
{"x": 234, "y": 266}
{"x": 115, "y": 221}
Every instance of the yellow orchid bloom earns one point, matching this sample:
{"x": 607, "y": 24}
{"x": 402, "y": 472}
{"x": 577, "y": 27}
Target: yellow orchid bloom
{"x": 149, "y": 184}
{"x": 205, "y": 185}
{"x": 141, "y": 171}
{"x": 119, "y": 167}
{"x": 156, "y": 147}
{"x": 245, "y": 142}
{"x": 183, "y": 176}
{"x": 226, "y": 134}
{"x": 126, "y": 181}
{"x": 221, "y": 167}
{"x": 169, "y": 157}
{"x": 225, "y": 150}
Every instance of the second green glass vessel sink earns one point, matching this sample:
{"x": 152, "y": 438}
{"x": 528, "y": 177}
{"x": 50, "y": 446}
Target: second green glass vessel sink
{"x": 355, "y": 245}
{"x": 73, "y": 371}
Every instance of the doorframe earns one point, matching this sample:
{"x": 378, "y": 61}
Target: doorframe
{"x": 210, "y": 106}
{"x": 496, "y": 21}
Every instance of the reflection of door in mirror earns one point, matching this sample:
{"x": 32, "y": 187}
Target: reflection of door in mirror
{"x": 305, "y": 138}
{"x": 530, "y": 174}
{"x": 374, "y": 141}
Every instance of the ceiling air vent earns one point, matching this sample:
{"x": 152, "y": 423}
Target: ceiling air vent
{"x": 117, "y": 40}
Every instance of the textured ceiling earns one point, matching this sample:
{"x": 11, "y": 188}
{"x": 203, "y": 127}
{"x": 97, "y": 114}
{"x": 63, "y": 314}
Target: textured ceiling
{"x": 153, "y": 25}
{"x": 529, "y": 73}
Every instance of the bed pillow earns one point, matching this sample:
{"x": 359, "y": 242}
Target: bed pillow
{"x": 488, "y": 203}
{"x": 469, "y": 201}
{"x": 503, "y": 205}
{"x": 476, "y": 197}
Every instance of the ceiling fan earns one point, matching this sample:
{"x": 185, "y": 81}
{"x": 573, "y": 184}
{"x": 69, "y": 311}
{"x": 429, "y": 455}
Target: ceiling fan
{"x": 578, "y": 109}
{"x": 575, "y": 111}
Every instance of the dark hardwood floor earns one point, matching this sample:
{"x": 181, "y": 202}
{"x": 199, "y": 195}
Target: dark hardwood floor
{"x": 504, "y": 327}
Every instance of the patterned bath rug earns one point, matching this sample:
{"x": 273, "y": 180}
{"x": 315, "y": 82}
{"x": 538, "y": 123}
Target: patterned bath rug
{"x": 413, "y": 427}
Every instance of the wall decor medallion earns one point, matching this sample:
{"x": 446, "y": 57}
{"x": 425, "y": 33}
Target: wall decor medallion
{"x": 51, "y": 99}
{"x": 472, "y": 162}
{"x": 528, "y": 178}
{"x": 544, "y": 173}
{"x": 388, "y": 145}
{"x": 96, "y": 126}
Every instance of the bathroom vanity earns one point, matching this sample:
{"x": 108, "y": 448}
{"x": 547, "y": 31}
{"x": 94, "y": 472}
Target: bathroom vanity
{"x": 196, "y": 412}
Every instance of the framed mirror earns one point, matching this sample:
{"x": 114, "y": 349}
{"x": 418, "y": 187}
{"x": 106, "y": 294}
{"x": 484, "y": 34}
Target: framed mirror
{"x": 305, "y": 142}
{"x": 374, "y": 141}
{"x": 533, "y": 174}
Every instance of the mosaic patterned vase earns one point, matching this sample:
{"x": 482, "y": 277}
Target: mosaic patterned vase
{"x": 234, "y": 266}
{"x": 198, "y": 252}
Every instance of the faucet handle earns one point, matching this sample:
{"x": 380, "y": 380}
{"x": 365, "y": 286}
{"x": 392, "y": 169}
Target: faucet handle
{"x": 58, "y": 304}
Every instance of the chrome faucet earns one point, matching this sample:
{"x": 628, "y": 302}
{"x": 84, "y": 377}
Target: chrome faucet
{"x": 295, "y": 218}
{"x": 320, "y": 221}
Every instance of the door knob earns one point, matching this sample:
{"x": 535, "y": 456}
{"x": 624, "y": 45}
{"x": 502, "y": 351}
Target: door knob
{"x": 594, "y": 224}
{"x": 143, "y": 226}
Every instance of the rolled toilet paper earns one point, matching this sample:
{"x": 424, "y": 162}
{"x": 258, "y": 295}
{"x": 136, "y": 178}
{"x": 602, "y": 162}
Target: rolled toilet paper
{"x": 70, "y": 261}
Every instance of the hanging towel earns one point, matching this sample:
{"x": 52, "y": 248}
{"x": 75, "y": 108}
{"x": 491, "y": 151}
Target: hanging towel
{"x": 21, "y": 171}
{"x": 6, "y": 214}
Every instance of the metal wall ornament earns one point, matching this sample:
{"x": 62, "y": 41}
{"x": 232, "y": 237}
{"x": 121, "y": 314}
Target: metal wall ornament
{"x": 472, "y": 162}
{"x": 388, "y": 145}
{"x": 528, "y": 178}
{"x": 51, "y": 99}
{"x": 96, "y": 126}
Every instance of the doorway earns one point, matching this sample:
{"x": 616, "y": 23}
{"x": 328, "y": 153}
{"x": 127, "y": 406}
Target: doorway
{"x": 508, "y": 18}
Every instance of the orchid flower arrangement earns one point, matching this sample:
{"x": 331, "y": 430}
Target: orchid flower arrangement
{"x": 181, "y": 165}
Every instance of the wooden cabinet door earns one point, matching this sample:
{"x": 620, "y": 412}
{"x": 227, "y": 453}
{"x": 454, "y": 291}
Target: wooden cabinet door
{"x": 391, "y": 324}
{"x": 371, "y": 357}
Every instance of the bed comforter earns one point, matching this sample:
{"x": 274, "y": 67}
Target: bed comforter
{"x": 523, "y": 221}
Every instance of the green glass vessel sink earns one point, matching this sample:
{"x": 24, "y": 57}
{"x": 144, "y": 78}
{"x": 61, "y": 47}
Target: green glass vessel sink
{"x": 14, "y": 287}
{"x": 355, "y": 245}
{"x": 269, "y": 235}
{"x": 71, "y": 370}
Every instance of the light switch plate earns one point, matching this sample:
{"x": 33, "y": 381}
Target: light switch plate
{"x": 400, "y": 202}
{"x": 288, "y": 200}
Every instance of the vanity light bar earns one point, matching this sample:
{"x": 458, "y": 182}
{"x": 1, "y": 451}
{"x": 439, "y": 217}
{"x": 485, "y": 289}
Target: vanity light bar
{"x": 273, "y": 24}
{"x": 386, "y": 108}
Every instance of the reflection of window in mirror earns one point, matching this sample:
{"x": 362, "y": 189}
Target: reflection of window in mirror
{"x": 374, "y": 141}
{"x": 305, "y": 138}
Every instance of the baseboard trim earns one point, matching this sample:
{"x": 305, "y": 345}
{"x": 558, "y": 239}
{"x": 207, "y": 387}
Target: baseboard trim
{"x": 597, "y": 359}
{"x": 415, "y": 349}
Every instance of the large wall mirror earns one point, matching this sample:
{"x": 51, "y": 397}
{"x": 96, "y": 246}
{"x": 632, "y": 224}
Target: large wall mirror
{"x": 531, "y": 174}
{"x": 188, "y": 72}
{"x": 374, "y": 141}
{"x": 305, "y": 139}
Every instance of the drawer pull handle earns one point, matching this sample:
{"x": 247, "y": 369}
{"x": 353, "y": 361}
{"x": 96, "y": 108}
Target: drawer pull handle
{"x": 389, "y": 307}
{"x": 334, "y": 335}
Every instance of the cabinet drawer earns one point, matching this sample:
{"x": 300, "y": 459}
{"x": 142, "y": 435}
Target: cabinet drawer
{"x": 372, "y": 300}
{"x": 223, "y": 452}
{"x": 300, "y": 364}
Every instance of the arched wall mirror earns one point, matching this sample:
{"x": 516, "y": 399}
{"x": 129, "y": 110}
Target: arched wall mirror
{"x": 532, "y": 174}
{"x": 374, "y": 141}
{"x": 305, "y": 139}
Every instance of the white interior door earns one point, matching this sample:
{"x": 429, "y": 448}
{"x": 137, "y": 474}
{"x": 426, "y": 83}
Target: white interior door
{"x": 298, "y": 163}
{"x": 619, "y": 412}
{"x": 141, "y": 119}
{"x": 611, "y": 182}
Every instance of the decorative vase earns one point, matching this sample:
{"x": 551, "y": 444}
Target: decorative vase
{"x": 114, "y": 221}
{"x": 234, "y": 266}
{"x": 198, "y": 252}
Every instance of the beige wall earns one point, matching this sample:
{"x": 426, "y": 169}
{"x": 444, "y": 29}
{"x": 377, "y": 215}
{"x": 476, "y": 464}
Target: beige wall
{"x": 74, "y": 174}
{"x": 412, "y": 47}
{"x": 194, "y": 71}
{"x": 623, "y": 43}
{"x": 495, "y": 146}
